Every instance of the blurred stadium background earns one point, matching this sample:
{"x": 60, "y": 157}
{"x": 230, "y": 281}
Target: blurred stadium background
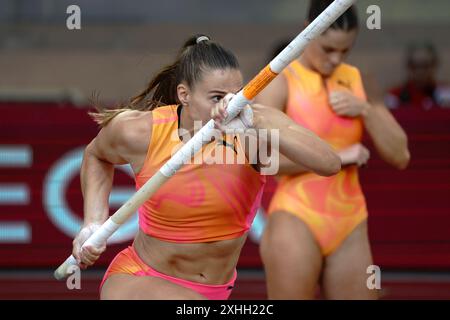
{"x": 48, "y": 73}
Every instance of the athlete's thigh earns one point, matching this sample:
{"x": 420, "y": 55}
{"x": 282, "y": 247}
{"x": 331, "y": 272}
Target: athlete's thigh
{"x": 291, "y": 256}
{"x": 345, "y": 270}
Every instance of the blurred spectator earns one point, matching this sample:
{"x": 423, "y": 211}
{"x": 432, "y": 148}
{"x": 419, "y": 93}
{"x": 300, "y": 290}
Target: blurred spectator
{"x": 421, "y": 90}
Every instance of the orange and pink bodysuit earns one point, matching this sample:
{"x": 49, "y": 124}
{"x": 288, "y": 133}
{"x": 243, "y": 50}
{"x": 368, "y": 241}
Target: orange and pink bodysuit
{"x": 333, "y": 206}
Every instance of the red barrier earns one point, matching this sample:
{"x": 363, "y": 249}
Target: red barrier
{"x": 41, "y": 205}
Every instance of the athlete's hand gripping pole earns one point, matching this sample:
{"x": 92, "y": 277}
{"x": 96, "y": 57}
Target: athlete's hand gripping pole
{"x": 244, "y": 97}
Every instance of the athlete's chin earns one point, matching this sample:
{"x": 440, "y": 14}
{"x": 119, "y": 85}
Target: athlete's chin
{"x": 327, "y": 71}
{"x": 200, "y": 122}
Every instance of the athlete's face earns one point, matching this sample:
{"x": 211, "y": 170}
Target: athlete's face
{"x": 329, "y": 50}
{"x": 208, "y": 90}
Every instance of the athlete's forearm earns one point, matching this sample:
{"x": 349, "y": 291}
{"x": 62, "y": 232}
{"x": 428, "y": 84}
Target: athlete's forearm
{"x": 289, "y": 167}
{"x": 96, "y": 184}
{"x": 389, "y": 138}
{"x": 298, "y": 144}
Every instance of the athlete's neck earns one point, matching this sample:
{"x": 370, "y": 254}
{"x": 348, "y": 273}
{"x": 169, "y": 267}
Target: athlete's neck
{"x": 185, "y": 124}
{"x": 308, "y": 65}
{"x": 305, "y": 62}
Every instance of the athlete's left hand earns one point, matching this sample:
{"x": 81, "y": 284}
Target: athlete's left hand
{"x": 241, "y": 122}
{"x": 345, "y": 104}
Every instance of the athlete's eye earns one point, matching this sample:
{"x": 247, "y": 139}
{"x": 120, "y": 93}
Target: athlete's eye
{"x": 216, "y": 99}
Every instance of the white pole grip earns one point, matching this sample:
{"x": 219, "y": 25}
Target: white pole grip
{"x": 115, "y": 221}
{"x": 96, "y": 240}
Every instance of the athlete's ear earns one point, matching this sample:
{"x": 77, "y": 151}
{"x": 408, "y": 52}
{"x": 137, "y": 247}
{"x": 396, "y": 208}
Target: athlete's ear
{"x": 183, "y": 94}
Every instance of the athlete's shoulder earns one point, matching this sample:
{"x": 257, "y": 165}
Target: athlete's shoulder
{"x": 164, "y": 112}
{"x": 293, "y": 68}
{"x": 125, "y": 136}
{"x": 348, "y": 69}
{"x": 132, "y": 121}
{"x": 131, "y": 128}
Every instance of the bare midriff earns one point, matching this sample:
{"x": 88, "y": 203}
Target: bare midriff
{"x": 211, "y": 263}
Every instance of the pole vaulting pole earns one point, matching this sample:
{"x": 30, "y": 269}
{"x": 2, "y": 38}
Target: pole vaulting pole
{"x": 241, "y": 99}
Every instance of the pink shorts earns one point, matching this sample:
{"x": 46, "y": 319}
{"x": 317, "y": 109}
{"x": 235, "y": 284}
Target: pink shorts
{"x": 128, "y": 262}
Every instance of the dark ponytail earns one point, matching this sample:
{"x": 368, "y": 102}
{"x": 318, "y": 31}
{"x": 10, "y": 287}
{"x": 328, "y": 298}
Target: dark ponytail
{"x": 348, "y": 21}
{"x": 197, "y": 55}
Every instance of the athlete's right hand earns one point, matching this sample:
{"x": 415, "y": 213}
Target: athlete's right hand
{"x": 355, "y": 154}
{"x": 88, "y": 255}
{"x": 244, "y": 120}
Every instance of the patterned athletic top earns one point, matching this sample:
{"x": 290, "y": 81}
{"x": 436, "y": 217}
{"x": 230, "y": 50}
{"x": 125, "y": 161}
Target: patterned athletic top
{"x": 202, "y": 202}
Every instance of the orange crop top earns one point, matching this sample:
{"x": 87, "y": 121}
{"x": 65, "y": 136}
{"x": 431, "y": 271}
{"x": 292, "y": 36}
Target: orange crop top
{"x": 202, "y": 202}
